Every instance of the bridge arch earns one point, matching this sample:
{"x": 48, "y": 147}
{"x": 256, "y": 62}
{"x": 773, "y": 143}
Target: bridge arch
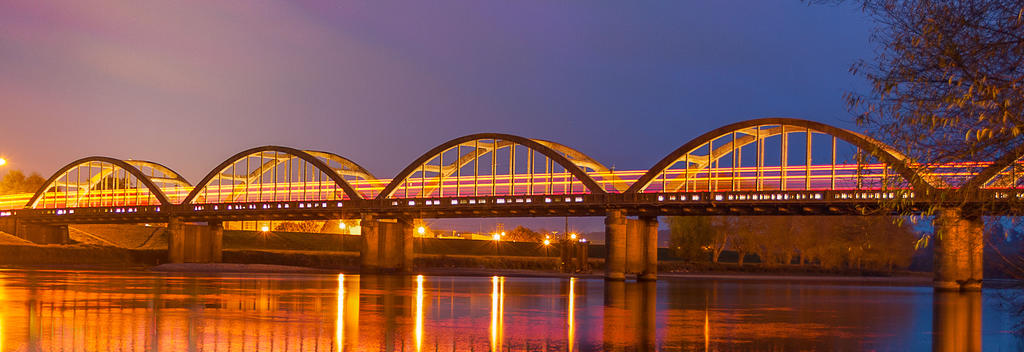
{"x": 756, "y": 131}
{"x": 314, "y": 170}
{"x": 124, "y": 180}
{"x": 1003, "y": 173}
{"x": 487, "y": 146}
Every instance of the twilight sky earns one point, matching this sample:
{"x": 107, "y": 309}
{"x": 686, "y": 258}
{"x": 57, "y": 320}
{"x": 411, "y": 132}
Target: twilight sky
{"x": 189, "y": 83}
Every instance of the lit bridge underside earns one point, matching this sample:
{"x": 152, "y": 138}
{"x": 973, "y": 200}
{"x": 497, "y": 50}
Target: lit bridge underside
{"x": 766, "y": 166}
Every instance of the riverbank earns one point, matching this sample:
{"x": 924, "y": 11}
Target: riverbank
{"x": 226, "y": 268}
{"x": 94, "y": 256}
{"x": 131, "y": 246}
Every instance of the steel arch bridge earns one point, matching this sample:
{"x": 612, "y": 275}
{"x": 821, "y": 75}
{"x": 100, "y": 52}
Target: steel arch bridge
{"x": 761, "y": 166}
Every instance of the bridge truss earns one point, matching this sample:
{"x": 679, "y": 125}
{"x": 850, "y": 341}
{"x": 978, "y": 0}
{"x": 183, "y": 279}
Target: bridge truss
{"x": 762, "y": 166}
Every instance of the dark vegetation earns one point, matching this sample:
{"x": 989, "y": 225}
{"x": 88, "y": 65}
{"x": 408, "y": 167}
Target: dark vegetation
{"x": 862, "y": 243}
{"x": 15, "y": 181}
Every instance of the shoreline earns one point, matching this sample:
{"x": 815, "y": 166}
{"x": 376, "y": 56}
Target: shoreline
{"x": 257, "y": 261}
{"x": 256, "y": 269}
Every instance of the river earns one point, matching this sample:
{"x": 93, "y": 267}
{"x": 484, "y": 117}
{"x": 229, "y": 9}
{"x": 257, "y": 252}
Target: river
{"x": 54, "y": 310}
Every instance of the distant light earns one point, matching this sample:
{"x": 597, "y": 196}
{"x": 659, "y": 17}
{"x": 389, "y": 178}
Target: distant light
{"x": 3, "y": 161}
{"x": 572, "y": 236}
{"x": 503, "y": 234}
{"x": 547, "y": 242}
{"x": 583, "y": 240}
{"x": 265, "y": 228}
{"x": 421, "y": 230}
{"x": 341, "y": 225}
{"x": 496, "y": 237}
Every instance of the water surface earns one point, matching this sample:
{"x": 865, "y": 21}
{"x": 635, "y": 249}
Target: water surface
{"x": 136, "y": 311}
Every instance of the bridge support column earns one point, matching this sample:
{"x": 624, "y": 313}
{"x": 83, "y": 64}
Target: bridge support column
{"x": 634, "y": 246}
{"x": 175, "y": 240}
{"x": 43, "y": 234}
{"x": 369, "y": 257}
{"x": 408, "y": 244}
{"x": 194, "y": 243}
{"x": 216, "y": 244}
{"x": 615, "y": 245}
{"x": 959, "y": 245}
{"x": 387, "y": 245}
{"x": 649, "y": 226}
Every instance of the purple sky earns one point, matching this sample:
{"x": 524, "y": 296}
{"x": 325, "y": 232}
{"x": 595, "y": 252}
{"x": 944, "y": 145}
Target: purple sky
{"x": 189, "y": 83}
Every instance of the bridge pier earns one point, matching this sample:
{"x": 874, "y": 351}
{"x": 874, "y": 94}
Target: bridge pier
{"x": 369, "y": 259}
{"x": 387, "y": 244}
{"x": 216, "y": 241}
{"x": 194, "y": 243}
{"x": 649, "y": 236}
{"x": 632, "y": 246}
{"x": 615, "y": 245}
{"x": 175, "y": 240}
{"x": 959, "y": 250}
{"x": 43, "y": 234}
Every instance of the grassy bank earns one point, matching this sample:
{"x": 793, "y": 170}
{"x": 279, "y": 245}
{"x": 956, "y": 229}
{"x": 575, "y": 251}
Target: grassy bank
{"x": 76, "y": 255}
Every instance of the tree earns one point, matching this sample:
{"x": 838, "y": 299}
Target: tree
{"x": 523, "y": 234}
{"x": 720, "y": 236}
{"x": 745, "y": 234}
{"x": 308, "y": 226}
{"x": 16, "y": 182}
{"x": 690, "y": 237}
{"x": 778, "y": 240}
{"x": 947, "y": 79}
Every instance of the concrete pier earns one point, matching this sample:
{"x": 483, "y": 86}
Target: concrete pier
{"x": 649, "y": 236}
{"x": 369, "y": 258}
{"x": 194, "y": 243}
{"x": 387, "y": 245}
{"x": 641, "y": 247}
{"x": 634, "y": 246}
{"x": 175, "y": 240}
{"x": 959, "y": 248}
{"x": 615, "y": 241}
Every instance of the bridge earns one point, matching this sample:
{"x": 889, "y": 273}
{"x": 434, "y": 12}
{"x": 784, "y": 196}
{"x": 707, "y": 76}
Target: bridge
{"x": 770, "y": 166}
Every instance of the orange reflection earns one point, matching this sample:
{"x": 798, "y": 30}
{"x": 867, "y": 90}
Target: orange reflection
{"x": 497, "y": 312}
{"x": 419, "y": 312}
{"x": 956, "y": 323}
{"x": 340, "y": 325}
{"x": 707, "y": 330}
{"x": 572, "y": 313}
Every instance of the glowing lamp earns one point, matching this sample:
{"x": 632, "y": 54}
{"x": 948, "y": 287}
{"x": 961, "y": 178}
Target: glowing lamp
{"x": 572, "y": 236}
{"x": 421, "y": 230}
{"x": 496, "y": 237}
{"x": 341, "y": 225}
{"x": 547, "y": 242}
{"x": 265, "y": 228}
{"x": 3, "y": 161}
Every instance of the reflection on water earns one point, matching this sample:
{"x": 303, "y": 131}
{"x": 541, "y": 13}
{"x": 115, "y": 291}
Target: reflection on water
{"x": 957, "y": 321}
{"x": 126, "y": 311}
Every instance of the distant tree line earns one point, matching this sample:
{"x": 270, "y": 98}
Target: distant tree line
{"x": 15, "y": 181}
{"x": 854, "y": 242}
